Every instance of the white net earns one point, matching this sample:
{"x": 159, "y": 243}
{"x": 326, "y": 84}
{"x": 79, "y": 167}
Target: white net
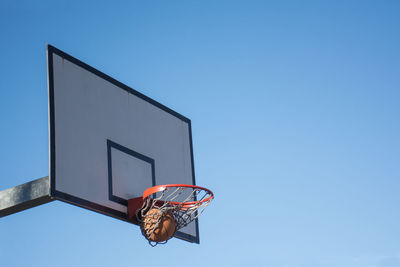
{"x": 181, "y": 204}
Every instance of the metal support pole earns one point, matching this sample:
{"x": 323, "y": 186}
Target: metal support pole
{"x": 25, "y": 196}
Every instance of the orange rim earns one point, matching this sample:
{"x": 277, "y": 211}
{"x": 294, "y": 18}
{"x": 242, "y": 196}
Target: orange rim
{"x": 159, "y": 188}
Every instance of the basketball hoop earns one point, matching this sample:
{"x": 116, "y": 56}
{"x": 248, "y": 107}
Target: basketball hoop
{"x": 168, "y": 208}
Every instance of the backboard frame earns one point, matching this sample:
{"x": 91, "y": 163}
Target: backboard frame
{"x": 62, "y": 196}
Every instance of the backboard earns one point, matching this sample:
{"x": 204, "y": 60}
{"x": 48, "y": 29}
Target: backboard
{"x": 108, "y": 142}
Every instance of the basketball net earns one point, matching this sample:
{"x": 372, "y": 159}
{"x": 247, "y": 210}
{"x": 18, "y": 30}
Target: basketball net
{"x": 184, "y": 202}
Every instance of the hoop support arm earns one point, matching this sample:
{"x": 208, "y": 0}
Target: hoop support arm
{"x": 25, "y": 196}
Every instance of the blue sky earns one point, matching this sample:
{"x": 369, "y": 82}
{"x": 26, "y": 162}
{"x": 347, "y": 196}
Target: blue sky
{"x": 294, "y": 107}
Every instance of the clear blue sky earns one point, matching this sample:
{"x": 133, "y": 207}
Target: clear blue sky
{"x": 295, "y": 114}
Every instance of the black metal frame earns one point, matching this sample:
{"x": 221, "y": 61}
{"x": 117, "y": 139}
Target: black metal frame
{"x": 25, "y": 196}
{"x": 82, "y": 202}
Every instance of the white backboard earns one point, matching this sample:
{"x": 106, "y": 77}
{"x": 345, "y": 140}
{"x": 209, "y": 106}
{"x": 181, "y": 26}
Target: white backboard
{"x": 108, "y": 142}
